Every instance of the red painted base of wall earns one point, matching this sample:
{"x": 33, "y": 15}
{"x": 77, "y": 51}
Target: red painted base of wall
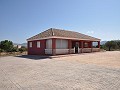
{"x": 37, "y": 51}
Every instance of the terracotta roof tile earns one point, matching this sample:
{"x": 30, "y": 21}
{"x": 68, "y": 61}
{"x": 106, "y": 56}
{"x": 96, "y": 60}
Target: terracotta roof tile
{"x": 62, "y": 33}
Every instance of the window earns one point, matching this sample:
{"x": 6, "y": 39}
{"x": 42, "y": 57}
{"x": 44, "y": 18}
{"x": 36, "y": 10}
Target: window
{"x": 61, "y": 44}
{"x": 49, "y": 44}
{"x": 30, "y": 44}
{"x": 85, "y": 44}
{"x": 38, "y": 44}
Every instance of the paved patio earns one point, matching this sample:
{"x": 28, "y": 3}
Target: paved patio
{"x": 71, "y": 72}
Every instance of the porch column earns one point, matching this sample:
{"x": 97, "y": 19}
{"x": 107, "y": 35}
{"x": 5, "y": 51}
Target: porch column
{"x": 53, "y": 46}
{"x": 91, "y": 45}
{"x": 81, "y": 46}
{"x": 98, "y": 44}
{"x": 69, "y": 45}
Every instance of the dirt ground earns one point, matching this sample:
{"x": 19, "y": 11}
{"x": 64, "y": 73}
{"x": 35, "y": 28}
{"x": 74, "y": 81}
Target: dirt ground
{"x": 88, "y": 71}
{"x": 107, "y": 59}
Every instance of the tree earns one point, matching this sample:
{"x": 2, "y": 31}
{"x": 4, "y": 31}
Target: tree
{"x": 102, "y": 46}
{"x": 110, "y": 44}
{"x": 6, "y": 45}
{"x": 118, "y": 44}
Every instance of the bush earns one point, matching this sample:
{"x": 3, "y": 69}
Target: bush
{"x": 1, "y": 50}
{"x": 118, "y": 44}
{"x": 14, "y": 49}
{"x": 111, "y": 45}
{"x": 6, "y": 45}
{"x": 22, "y": 49}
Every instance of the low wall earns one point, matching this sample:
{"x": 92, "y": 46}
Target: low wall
{"x": 48, "y": 51}
{"x": 86, "y": 50}
{"x": 57, "y": 51}
{"x": 95, "y": 49}
{"x": 62, "y": 51}
{"x": 72, "y": 51}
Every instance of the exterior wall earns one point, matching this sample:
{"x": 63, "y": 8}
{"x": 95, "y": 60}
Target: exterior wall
{"x": 61, "y": 44}
{"x": 48, "y": 51}
{"x": 69, "y": 45}
{"x": 53, "y": 50}
{"x": 37, "y": 51}
{"x": 53, "y": 46}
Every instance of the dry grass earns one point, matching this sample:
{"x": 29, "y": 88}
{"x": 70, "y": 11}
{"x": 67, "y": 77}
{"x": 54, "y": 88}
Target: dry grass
{"x": 12, "y": 53}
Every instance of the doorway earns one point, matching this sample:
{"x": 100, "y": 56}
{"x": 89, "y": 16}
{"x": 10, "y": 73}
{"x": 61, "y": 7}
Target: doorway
{"x": 76, "y": 47}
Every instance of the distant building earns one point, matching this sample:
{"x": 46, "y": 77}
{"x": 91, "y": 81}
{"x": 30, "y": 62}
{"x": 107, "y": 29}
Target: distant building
{"x": 57, "y": 41}
{"x": 17, "y": 46}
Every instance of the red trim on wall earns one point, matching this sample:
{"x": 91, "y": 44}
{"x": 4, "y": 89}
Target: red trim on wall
{"x": 53, "y": 46}
{"x": 69, "y": 44}
{"x": 37, "y": 51}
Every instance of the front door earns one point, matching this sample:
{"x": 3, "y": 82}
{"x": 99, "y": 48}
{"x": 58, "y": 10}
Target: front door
{"x": 76, "y": 47}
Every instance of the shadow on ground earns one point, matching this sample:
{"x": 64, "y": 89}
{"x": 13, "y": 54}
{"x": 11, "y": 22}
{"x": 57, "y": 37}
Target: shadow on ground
{"x": 35, "y": 57}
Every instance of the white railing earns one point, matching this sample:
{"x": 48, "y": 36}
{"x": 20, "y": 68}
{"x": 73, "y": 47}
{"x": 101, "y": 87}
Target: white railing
{"x": 95, "y": 49}
{"x": 72, "y": 50}
{"x": 86, "y": 50}
{"x": 62, "y": 51}
{"x": 48, "y": 51}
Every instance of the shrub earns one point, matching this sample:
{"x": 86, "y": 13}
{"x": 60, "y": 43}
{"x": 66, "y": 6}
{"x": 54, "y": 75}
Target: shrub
{"x": 14, "y": 49}
{"x": 22, "y": 49}
{"x": 6, "y": 45}
{"x": 1, "y": 50}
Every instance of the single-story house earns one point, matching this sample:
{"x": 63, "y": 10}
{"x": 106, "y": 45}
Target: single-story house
{"x": 56, "y": 41}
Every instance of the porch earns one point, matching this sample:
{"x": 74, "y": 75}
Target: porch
{"x": 66, "y": 46}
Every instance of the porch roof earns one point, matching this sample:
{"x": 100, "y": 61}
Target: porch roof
{"x": 54, "y": 33}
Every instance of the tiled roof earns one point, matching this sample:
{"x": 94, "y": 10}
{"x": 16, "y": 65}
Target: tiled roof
{"x": 62, "y": 33}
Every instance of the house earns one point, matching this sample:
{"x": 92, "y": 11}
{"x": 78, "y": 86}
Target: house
{"x": 17, "y": 46}
{"x": 56, "y": 41}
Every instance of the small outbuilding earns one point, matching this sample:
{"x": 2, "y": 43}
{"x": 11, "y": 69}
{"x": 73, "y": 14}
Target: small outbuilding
{"x": 56, "y": 41}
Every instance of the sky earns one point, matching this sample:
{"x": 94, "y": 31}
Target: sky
{"x": 21, "y": 19}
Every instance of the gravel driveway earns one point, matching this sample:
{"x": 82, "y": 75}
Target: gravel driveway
{"x": 61, "y": 73}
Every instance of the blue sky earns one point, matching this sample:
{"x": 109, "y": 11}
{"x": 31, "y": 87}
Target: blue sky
{"x": 21, "y": 19}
